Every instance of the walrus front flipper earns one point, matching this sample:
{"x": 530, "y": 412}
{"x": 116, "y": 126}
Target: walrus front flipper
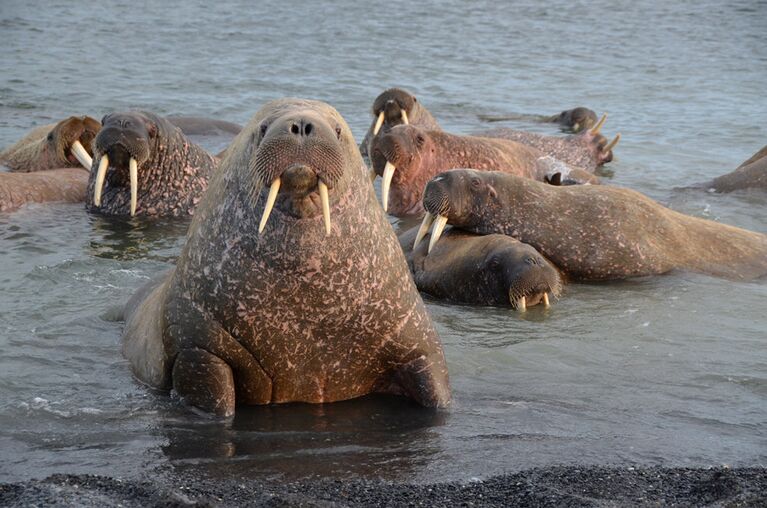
{"x": 424, "y": 380}
{"x": 204, "y": 381}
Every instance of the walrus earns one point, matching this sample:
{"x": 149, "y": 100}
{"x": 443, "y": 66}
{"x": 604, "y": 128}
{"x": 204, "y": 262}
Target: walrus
{"x": 751, "y": 174}
{"x": 587, "y": 150}
{"x": 145, "y": 165}
{"x": 291, "y": 286}
{"x": 480, "y": 269}
{"x": 573, "y": 120}
{"x": 201, "y": 126}
{"x": 407, "y": 157}
{"x": 396, "y": 106}
{"x": 66, "y": 185}
{"x": 592, "y": 232}
{"x": 66, "y": 144}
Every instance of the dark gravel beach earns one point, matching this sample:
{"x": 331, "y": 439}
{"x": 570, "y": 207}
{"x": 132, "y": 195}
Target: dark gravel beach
{"x": 553, "y": 486}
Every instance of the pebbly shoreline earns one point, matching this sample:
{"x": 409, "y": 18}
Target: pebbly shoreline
{"x": 551, "y": 486}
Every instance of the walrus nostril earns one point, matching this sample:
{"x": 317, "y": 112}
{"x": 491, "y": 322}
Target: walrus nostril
{"x": 308, "y": 129}
{"x": 294, "y": 128}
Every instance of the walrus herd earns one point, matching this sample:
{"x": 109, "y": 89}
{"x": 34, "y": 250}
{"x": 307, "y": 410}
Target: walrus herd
{"x": 294, "y": 287}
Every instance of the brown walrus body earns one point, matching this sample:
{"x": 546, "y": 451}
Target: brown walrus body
{"x": 319, "y": 307}
{"x": 595, "y": 232}
{"x": 575, "y": 120}
{"x": 171, "y": 172}
{"x": 396, "y": 107}
{"x": 63, "y": 185}
{"x": 417, "y": 155}
{"x": 752, "y": 174}
{"x": 51, "y": 146}
{"x": 481, "y": 269}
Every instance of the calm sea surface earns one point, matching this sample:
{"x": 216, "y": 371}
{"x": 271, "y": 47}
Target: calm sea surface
{"x": 668, "y": 370}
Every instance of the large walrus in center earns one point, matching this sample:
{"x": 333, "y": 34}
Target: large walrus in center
{"x": 291, "y": 286}
{"x": 592, "y": 232}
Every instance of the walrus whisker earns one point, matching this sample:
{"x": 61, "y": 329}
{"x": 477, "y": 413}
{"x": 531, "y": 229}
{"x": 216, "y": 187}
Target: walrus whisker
{"x": 404, "y": 117}
{"x": 439, "y": 225}
{"x": 274, "y": 189}
{"x": 387, "y": 176}
{"x": 595, "y": 130}
{"x": 100, "y": 175}
{"x": 325, "y": 205}
{"x": 612, "y": 143}
{"x": 379, "y": 123}
{"x": 427, "y": 221}
{"x": 82, "y": 155}
{"x": 133, "y": 169}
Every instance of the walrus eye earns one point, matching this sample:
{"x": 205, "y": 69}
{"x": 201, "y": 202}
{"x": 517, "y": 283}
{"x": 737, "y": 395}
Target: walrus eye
{"x": 50, "y": 136}
{"x": 338, "y": 131}
{"x": 420, "y": 140}
{"x": 476, "y": 183}
{"x": 262, "y": 129}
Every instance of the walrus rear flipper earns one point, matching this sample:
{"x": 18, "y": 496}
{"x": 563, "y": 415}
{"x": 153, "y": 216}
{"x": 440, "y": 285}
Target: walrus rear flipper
{"x": 204, "y": 381}
{"x": 423, "y": 381}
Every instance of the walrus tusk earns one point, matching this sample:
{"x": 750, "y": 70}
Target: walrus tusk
{"x": 373, "y": 175}
{"x": 79, "y": 151}
{"x": 133, "y": 169}
{"x": 522, "y": 304}
{"x": 546, "y": 300}
{"x": 325, "y": 205}
{"x": 612, "y": 143}
{"x": 439, "y": 225}
{"x": 427, "y": 220}
{"x": 273, "y": 190}
{"x": 387, "y": 176}
{"x": 404, "y": 117}
{"x": 575, "y": 126}
{"x": 595, "y": 130}
{"x": 100, "y": 174}
{"x": 379, "y": 123}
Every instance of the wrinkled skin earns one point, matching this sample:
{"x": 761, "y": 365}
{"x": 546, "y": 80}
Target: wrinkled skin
{"x": 392, "y": 102}
{"x": 485, "y": 270}
{"x": 66, "y": 185}
{"x": 419, "y": 155}
{"x": 595, "y": 232}
{"x": 292, "y": 314}
{"x": 50, "y": 146}
{"x": 173, "y": 172}
{"x": 752, "y": 174}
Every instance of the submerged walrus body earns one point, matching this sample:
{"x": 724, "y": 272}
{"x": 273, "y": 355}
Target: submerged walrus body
{"x": 752, "y": 174}
{"x": 65, "y": 185}
{"x": 480, "y": 269}
{"x": 594, "y": 232}
{"x": 317, "y": 307}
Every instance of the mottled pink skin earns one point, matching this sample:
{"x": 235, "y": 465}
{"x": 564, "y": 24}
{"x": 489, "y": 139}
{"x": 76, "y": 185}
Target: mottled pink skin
{"x": 584, "y": 150}
{"x": 596, "y": 232}
{"x": 171, "y": 181}
{"x": 296, "y": 314}
{"x": 54, "y": 185}
{"x": 417, "y": 163}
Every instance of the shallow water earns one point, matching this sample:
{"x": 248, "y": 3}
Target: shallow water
{"x": 665, "y": 371}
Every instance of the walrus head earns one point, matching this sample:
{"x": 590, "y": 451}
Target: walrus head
{"x": 577, "y": 119}
{"x": 298, "y": 153}
{"x": 524, "y": 275}
{"x": 71, "y": 139}
{"x": 397, "y": 156}
{"x": 459, "y": 197}
{"x": 393, "y": 107}
{"x": 123, "y": 145}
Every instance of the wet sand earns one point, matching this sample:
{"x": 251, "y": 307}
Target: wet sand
{"x": 552, "y": 486}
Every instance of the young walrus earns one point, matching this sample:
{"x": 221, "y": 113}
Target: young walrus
{"x": 66, "y": 144}
{"x": 574, "y": 120}
{"x": 144, "y": 165}
{"x": 592, "y": 232}
{"x": 291, "y": 286}
{"x": 407, "y": 157}
{"x": 481, "y": 269}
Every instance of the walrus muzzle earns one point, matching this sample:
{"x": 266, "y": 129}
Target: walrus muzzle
{"x": 300, "y": 159}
